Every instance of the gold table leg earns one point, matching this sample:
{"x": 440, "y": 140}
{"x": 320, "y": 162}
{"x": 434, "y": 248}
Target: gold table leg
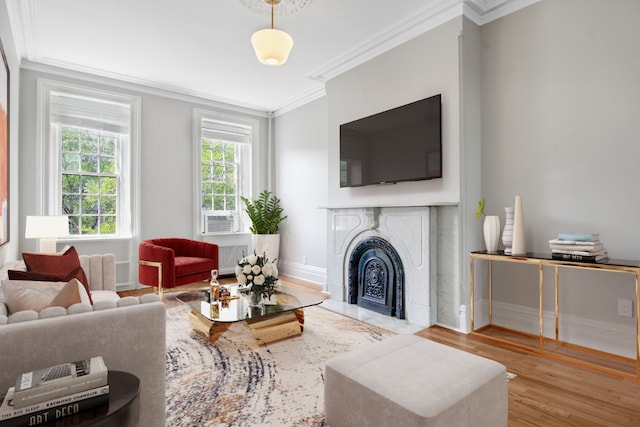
{"x": 277, "y": 327}
{"x": 210, "y": 329}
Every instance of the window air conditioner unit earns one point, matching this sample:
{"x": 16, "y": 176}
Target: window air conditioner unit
{"x": 214, "y": 222}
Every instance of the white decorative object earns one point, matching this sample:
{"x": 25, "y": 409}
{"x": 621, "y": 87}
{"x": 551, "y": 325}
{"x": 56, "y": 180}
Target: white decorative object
{"x": 283, "y": 7}
{"x": 47, "y": 229}
{"x": 518, "y": 247}
{"x": 266, "y": 243}
{"x": 272, "y": 46}
{"x": 507, "y": 233}
{"x": 491, "y": 228}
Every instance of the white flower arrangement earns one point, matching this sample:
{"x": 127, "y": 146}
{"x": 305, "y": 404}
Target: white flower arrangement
{"x": 259, "y": 272}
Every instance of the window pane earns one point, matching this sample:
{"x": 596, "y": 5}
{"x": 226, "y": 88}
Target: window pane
{"x": 70, "y": 184}
{"x": 230, "y": 152}
{"x": 218, "y": 203}
{"x": 108, "y": 145}
{"x": 107, "y": 205}
{"x": 90, "y": 184}
{"x": 71, "y": 162}
{"x": 218, "y": 172}
{"x": 70, "y": 139}
{"x": 230, "y": 174}
{"x": 89, "y": 205}
{"x": 207, "y": 202}
{"x": 231, "y": 203}
{"x": 219, "y": 188}
{"x": 89, "y": 142}
{"x": 107, "y": 224}
{"x": 107, "y": 164}
{"x": 108, "y": 185}
{"x": 89, "y": 224}
{"x": 89, "y": 163}
{"x": 74, "y": 224}
{"x": 207, "y": 172}
{"x": 70, "y": 204}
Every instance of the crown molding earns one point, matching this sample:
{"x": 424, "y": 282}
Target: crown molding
{"x": 22, "y": 17}
{"x": 435, "y": 14}
{"x": 143, "y": 86}
{"x": 316, "y": 92}
{"x": 484, "y": 11}
{"x": 479, "y": 11}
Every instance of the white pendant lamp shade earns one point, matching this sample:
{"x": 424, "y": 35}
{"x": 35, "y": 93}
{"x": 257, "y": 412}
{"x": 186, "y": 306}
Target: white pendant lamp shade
{"x": 272, "y": 46}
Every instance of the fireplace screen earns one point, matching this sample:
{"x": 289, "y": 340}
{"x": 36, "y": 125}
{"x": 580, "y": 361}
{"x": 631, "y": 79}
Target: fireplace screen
{"x": 376, "y": 277}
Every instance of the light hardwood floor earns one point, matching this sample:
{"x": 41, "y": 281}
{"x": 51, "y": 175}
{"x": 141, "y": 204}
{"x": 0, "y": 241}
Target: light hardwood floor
{"x": 546, "y": 392}
{"x": 551, "y": 393}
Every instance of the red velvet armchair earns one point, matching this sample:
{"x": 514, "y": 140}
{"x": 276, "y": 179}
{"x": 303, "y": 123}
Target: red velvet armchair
{"x": 170, "y": 262}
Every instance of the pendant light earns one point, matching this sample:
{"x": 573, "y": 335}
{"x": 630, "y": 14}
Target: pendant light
{"x": 272, "y": 46}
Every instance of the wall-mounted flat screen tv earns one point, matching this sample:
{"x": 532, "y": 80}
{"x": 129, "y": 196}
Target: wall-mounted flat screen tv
{"x": 401, "y": 144}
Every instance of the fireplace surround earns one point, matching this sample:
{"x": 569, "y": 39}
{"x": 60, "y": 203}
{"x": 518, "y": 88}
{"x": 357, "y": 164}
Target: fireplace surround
{"x": 426, "y": 239}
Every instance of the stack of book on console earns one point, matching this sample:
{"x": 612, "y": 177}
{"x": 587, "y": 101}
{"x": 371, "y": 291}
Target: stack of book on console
{"x": 582, "y": 247}
{"x": 49, "y": 394}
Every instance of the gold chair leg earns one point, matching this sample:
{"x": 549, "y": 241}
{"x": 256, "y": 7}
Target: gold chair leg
{"x": 157, "y": 265}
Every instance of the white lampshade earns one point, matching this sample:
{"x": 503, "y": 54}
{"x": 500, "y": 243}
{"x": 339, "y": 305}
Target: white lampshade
{"x": 272, "y": 46}
{"x": 47, "y": 229}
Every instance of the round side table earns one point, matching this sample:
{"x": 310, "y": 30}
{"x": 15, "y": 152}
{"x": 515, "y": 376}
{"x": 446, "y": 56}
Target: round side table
{"x": 123, "y": 409}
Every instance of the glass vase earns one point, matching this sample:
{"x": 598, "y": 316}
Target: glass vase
{"x": 255, "y": 299}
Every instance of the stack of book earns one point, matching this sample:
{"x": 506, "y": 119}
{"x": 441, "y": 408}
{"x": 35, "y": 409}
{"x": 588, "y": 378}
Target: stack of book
{"x": 49, "y": 394}
{"x": 582, "y": 247}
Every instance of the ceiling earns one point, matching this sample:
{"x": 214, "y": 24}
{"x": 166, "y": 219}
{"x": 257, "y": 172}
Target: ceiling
{"x": 202, "y": 48}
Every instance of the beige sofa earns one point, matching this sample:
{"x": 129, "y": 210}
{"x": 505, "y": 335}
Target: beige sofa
{"x": 129, "y": 333}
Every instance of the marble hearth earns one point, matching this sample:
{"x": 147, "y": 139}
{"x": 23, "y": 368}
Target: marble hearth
{"x": 419, "y": 234}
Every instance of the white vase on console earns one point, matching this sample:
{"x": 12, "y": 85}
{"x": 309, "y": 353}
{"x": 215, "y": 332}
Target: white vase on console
{"x": 507, "y": 233}
{"x": 491, "y": 229}
{"x": 518, "y": 247}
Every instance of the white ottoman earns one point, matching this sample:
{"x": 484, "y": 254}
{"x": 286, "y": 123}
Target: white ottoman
{"x": 408, "y": 381}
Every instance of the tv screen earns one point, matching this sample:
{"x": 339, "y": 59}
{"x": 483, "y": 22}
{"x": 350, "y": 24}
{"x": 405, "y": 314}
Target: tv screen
{"x": 401, "y": 144}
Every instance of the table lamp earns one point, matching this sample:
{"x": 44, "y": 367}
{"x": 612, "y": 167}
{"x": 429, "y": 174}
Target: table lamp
{"x": 47, "y": 229}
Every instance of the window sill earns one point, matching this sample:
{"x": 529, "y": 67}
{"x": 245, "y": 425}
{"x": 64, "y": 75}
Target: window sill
{"x": 89, "y": 238}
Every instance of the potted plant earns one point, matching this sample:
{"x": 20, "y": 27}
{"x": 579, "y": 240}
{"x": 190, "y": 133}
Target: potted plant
{"x": 490, "y": 228}
{"x": 265, "y": 214}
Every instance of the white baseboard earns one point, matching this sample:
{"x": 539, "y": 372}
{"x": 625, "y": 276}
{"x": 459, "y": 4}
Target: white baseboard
{"x": 302, "y": 271}
{"x": 600, "y": 335}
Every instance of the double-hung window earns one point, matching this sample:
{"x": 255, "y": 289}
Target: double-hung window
{"x": 90, "y": 148}
{"x": 224, "y": 164}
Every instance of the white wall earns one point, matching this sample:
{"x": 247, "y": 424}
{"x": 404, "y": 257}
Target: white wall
{"x": 9, "y": 251}
{"x": 561, "y": 128}
{"x": 561, "y": 120}
{"x": 301, "y": 176}
{"x": 417, "y": 69}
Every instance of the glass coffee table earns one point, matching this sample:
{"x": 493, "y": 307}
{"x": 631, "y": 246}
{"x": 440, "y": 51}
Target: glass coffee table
{"x": 281, "y": 317}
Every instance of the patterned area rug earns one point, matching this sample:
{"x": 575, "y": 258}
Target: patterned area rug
{"x": 239, "y": 382}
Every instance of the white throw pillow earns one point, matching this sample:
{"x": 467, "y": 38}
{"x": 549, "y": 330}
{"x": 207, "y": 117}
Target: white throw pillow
{"x": 33, "y": 295}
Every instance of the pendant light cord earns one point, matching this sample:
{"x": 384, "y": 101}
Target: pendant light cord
{"x": 272, "y": 14}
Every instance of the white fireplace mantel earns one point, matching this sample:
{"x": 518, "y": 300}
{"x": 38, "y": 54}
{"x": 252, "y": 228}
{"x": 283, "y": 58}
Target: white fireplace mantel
{"x": 425, "y": 237}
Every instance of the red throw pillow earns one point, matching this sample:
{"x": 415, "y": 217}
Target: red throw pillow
{"x": 55, "y": 267}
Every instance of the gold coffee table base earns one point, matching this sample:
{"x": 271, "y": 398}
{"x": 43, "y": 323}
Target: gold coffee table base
{"x": 266, "y": 329}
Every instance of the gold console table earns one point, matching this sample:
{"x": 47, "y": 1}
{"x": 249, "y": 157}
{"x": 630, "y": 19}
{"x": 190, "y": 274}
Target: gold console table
{"x": 594, "y": 359}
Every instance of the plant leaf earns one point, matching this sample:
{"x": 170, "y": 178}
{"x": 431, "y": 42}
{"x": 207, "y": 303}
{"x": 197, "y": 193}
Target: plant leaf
{"x": 480, "y": 209}
{"x": 265, "y": 213}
